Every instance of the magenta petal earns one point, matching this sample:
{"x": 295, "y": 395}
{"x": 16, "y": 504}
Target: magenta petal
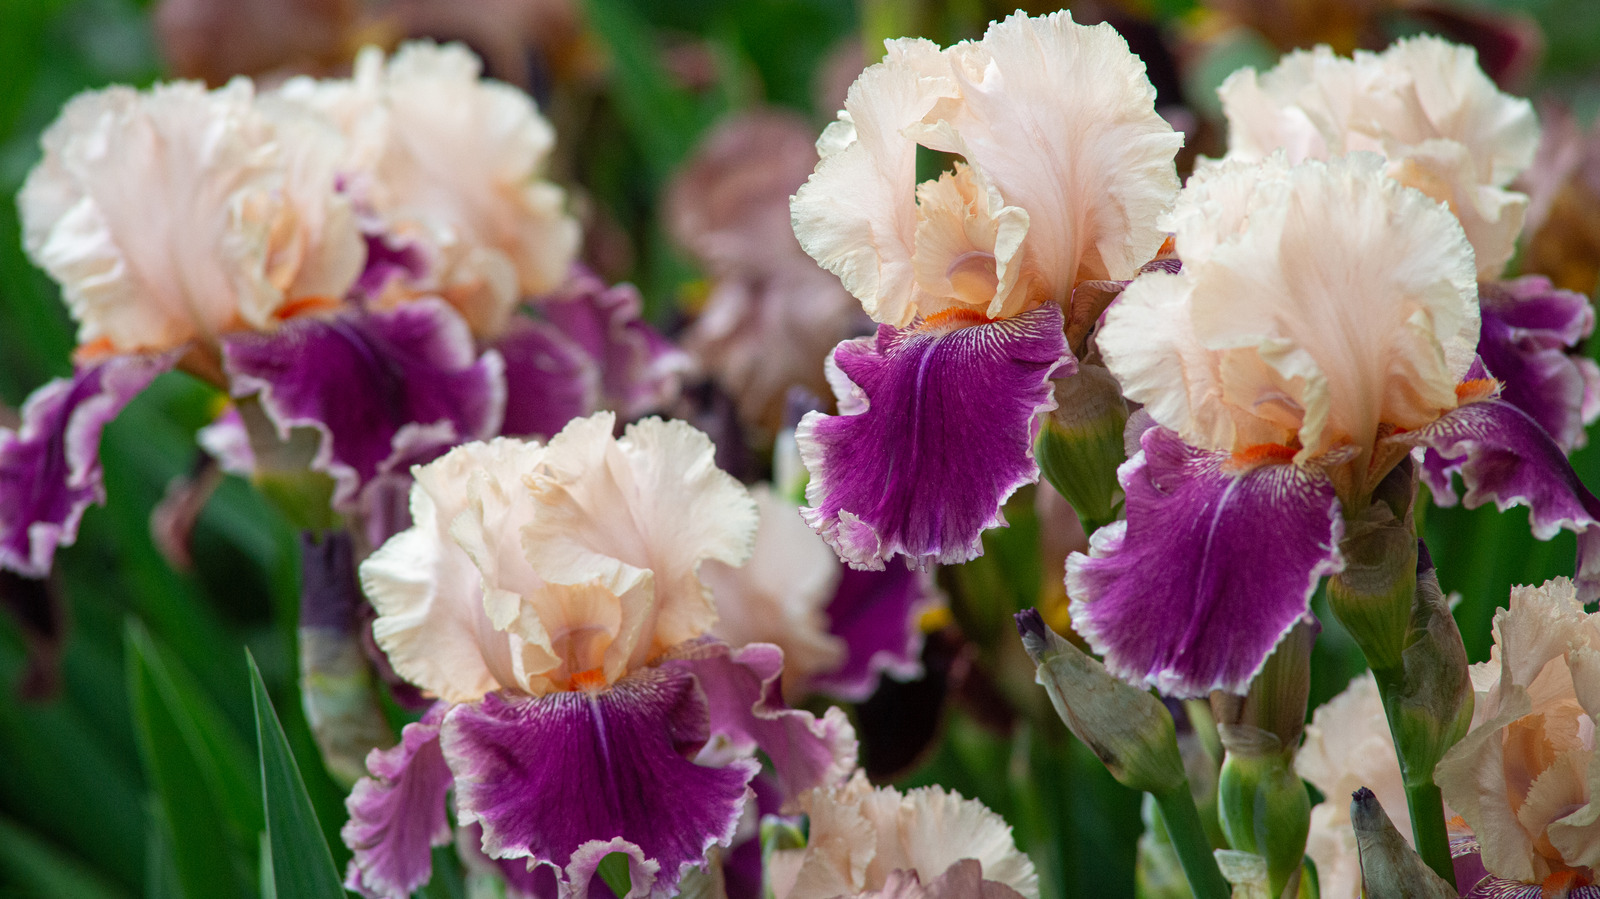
{"x": 547, "y": 775}
{"x": 386, "y": 389}
{"x": 936, "y": 432}
{"x": 639, "y": 369}
{"x": 875, "y": 613}
{"x": 1504, "y": 457}
{"x": 1211, "y": 568}
{"x": 50, "y": 466}
{"x": 1529, "y": 341}
{"x": 745, "y": 697}
{"x": 398, "y": 813}
{"x": 550, "y": 379}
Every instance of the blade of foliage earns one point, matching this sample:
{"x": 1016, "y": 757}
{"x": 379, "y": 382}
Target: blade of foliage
{"x": 302, "y": 866}
{"x": 189, "y": 788}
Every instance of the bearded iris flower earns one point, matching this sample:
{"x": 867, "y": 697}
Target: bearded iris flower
{"x": 1323, "y": 327}
{"x": 373, "y": 263}
{"x": 550, "y": 597}
{"x": 1064, "y": 166}
{"x": 1445, "y": 129}
{"x": 867, "y": 843}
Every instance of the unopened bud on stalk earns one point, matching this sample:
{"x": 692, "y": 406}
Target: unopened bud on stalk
{"x": 1430, "y": 708}
{"x": 1128, "y": 729}
{"x": 1080, "y": 445}
{"x": 1261, "y": 801}
{"x": 1372, "y": 596}
{"x": 336, "y": 683}
{"x": 1389, "y": 866}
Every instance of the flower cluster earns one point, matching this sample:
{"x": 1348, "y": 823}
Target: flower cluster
{"x": 372, "y": 261}
{"x": 609, "y": 580}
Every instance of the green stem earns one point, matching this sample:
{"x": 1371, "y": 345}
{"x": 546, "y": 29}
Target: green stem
{"x": 1428, "y": 828}
{"x": 1188, "y": 837}
{"x": 1423, "y": 798}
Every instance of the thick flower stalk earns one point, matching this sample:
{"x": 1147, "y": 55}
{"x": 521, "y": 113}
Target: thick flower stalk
{"x": 550, "y": 598}
{"x": 971, "y": 275}
{"x": 1322, "y": 327}
{"x": 867, "y": 843}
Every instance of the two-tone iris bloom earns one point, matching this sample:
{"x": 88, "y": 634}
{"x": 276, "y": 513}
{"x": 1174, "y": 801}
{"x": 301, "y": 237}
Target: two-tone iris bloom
{"x": 351, "y": 257}
{"x": 550, "y": 597}
{"x": 840, "y": 629}
{"x": 1064, "y": 167}
{"x": 1322, "y": 327}
{"x": 1445, "y": 129}
{"x": 1525, "y": 780}
{"x": 866, "y": 843}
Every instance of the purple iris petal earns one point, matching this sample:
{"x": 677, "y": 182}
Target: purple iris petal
{"x": 743, "y": 693}
{"x": 50, "y": 466}
{"x": 1504, "y": 457}
{"x": 398, "y": 813}
{"x": 521, "y": 882}
{"x": 1529, "y": 338}
{"x": 388, "y": 258}
{"x": 550, "y": 379}
{"x": 639, "y": 369}
{"x": 875, "y": 613}
{"x": 1211, "y": 568}
{"x": 547, "y": 775}
{"x": 936, "y": 431}
{"x": 385, "y": 389}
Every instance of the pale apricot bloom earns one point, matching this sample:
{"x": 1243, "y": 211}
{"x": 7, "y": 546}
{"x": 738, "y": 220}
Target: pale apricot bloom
{"x": 1066, "y": 166}
{"x": 1321, "y": 307}
{"x": 179, "y": 214}
{"x": 1348, "y": 746}
{"x": 454, "y": 164}
{"x": 1440, "y": 123}
{"x": 1526, "y": 778}
{"x": 863, "y": 839}
{"x": 780, "y": 595}
{"x": 531, "y": 565}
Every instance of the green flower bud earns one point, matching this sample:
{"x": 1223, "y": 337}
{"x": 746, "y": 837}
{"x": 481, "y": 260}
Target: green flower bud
{"x": 1430, "y": 707}
{"x": 1128, "y": 729}
{"x": 1265, "y": 809}
{"x": 1261, "y": 802}
{"x": 1372, "y": 596}
{"x": 1080, "y": 445}
{"x": 1389, "y": 866}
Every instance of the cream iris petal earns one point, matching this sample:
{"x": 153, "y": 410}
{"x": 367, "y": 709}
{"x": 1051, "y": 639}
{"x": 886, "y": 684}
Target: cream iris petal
{"x": 1440, "y": 123}
{"x": 1321, "y": 303}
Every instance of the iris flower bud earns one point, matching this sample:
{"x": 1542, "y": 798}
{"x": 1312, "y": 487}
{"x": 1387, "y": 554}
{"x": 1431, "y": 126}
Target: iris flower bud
{"x": 1080, "y": 445}
{"x": 1127, "y": 728}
